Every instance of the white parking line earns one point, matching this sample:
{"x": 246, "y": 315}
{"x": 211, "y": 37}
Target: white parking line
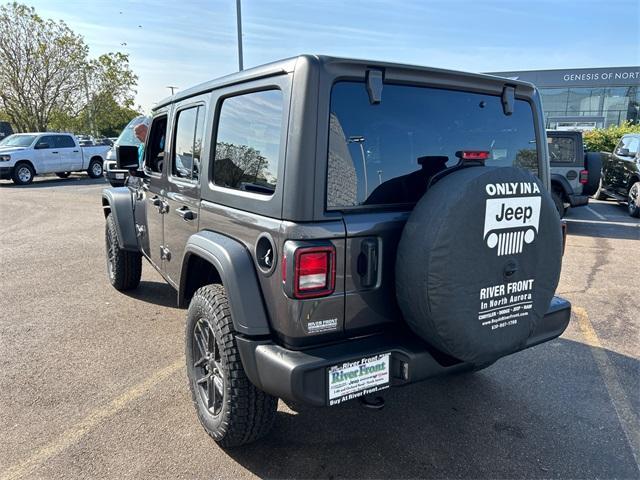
{"x": 601, "y": 217}
{"x": 598, "y": 222}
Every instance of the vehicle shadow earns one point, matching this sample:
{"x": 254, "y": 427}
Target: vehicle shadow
{"x": 627, "y": 230}
{"x": 156, "y": 293}
{"x": 541, "y": 413}
{"x": 52, "y": 181}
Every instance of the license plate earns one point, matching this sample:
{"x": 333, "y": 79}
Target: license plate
{"x": 119, "y": 176}
{"x": 359, "y": 377}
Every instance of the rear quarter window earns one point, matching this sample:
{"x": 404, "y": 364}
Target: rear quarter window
{"x": 248, "y": 142}
{"x": 384, "y": 154}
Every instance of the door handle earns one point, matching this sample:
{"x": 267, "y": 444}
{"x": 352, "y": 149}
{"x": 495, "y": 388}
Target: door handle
{"x": 54, "y": 152}
{"x": 76, "y": 151}
{"x": 186, "y": 214}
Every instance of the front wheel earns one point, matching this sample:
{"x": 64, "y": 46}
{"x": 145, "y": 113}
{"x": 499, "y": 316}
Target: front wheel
{"x": 95, "y": 169}
{"x": 23, "y": 174}
{"x": 231, "y": 409}
{"x": 633, "y": 200}
{"x": 123, "y": 267}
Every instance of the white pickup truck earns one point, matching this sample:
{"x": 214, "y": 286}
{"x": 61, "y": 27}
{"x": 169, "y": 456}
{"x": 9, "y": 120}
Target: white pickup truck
{"x": 25, "y": 155}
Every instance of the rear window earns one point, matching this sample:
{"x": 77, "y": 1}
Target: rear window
{"x": 562, "y": 149}
{"x": 385, "y": 154}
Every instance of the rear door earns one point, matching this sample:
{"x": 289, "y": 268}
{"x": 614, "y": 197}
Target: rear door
{"x": 70, "y": 153}
{"x": 381, "y": 158}
{"x": 183, "y": 186}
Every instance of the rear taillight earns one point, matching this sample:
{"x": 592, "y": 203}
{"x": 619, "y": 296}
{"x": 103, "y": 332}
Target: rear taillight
{"x": 584, "y": 176}
{"x": 314, "y": 272}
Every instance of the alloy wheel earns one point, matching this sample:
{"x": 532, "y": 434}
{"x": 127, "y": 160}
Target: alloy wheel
{"x": 208, "y": 367}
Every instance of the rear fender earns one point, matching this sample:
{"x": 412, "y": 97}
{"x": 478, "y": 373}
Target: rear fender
{"x": 236, "y": 270}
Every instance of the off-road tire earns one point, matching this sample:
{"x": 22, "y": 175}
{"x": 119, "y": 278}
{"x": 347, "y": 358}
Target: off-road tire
{"x": 246, "y": 413}
{"x": 124, "y": 268}
{"x": 556, "y": 195}
{"x": 63, "y": 174}
{"x": 633, "y": 200}
{"x": 23, "y": 173}
{"x": 600, "y": 195}
{"x": 92, "y": 171}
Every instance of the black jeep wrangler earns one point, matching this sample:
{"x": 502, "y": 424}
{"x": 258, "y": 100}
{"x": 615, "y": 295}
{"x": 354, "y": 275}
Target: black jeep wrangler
{"x": 337, "y": 227}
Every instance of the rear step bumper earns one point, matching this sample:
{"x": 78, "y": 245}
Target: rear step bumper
{"x": 301, "y": 376}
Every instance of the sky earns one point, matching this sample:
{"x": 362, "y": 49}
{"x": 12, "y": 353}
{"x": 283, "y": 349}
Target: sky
{"x": 184, "y": 43}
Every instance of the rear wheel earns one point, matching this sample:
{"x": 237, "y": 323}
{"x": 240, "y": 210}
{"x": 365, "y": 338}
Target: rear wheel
{"x": 230, "y": 408}
{"x": 63, "y": 174}
{"x": 23, "y": 174}
{"x": 123, "y": 267}
{"x": 559, "y": 202}
{"x": 633, "y": 200}
{"x": 95, "y": 168}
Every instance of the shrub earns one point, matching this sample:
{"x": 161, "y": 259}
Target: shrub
{"x": 606, "y": 139}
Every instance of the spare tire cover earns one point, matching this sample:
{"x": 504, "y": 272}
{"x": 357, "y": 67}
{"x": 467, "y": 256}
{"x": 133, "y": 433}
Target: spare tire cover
{"x": 479, "y": 261}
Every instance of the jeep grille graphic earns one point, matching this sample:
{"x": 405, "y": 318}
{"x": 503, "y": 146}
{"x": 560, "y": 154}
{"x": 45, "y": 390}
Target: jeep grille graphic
{"x": 510, "y": 243}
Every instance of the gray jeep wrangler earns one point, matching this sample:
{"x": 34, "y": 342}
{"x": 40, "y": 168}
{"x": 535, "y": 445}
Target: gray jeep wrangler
{"x": 337, "y": 227}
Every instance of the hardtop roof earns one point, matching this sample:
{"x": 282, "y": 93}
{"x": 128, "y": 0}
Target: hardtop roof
{"x": 288, "y": 65}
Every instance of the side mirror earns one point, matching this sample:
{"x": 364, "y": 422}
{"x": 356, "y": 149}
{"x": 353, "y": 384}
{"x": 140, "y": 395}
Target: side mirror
{"x": 41, "y": 146}
{"x": 623, "y": 152}
{"x": 127, "y": 157}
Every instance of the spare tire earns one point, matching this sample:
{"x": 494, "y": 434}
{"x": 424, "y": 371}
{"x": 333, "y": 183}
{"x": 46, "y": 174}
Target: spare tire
{"x": 479, "y": 261}
{"x": 593, "y": 164}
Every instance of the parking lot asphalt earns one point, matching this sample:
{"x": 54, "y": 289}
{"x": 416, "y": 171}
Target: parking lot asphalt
{"x": 92, "y": 381}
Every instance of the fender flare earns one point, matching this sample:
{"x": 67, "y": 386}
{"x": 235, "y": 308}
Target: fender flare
{"x": 238, "y": 275}
{"x": 119, "y": 202}
{"x": 557, "y": 179}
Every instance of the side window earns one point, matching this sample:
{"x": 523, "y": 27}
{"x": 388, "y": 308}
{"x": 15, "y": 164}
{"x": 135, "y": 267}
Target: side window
{"x": 562, "y": 149}
{"x": 65, "y": 141}
{"x": 248, "y": 142}
{"x": 188, "y": 143}
{"x": 153, "y": 151}
{"x": 49, "y": 140}
{"x": 630, "y": 144}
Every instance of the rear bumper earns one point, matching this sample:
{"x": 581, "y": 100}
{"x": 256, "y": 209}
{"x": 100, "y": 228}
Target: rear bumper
{"x": 301, "y": 376}
{"x": 6, "y": 173}
{"x": 578, "y": 200}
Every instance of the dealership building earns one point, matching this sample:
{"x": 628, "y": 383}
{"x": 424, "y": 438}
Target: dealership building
{"x": 585, "y": 98}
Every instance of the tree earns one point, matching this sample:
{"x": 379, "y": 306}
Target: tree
{"x": 606, "y": 139}
{"x": 46, "y": 73}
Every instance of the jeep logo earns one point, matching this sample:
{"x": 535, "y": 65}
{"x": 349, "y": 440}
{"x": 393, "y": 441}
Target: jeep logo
{"x": 509, "y": 223}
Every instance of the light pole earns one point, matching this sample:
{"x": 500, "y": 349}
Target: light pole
{"x": 359, "y": 139}
{"x": 239, "y": 21}
{"x": 172, "y": 88}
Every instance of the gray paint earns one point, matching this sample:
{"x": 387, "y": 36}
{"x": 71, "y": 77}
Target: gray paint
{"x": 235, "y": 266}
